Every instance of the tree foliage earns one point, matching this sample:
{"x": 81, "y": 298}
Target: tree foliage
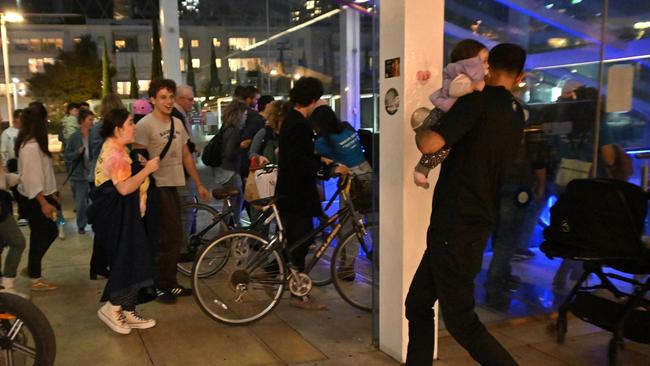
{"x": 156, "y": 53}
{"x": 107, "y": 83}
{"x": 189, "y": 77}
{"x": 75, "y": 76}
{"x": 133, "y": 92}
{"x": 214, "y": 86}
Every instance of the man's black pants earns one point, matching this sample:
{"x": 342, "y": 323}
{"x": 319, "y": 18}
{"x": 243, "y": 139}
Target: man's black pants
{"x": 296, "y": 227}
{"x": 170, "y": 237}
{"x": 446, "y": 273}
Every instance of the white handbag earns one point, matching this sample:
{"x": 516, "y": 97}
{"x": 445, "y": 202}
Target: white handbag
{"x": 266, "y": 181}
{"x": 570, "y": 169}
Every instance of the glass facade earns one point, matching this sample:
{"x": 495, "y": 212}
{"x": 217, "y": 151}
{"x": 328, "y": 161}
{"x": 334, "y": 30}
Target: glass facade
{"x": 588, "y": 109}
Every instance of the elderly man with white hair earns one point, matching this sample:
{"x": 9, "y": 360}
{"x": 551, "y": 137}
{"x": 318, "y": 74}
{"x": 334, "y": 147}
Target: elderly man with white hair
{"x": 183, "y": 106}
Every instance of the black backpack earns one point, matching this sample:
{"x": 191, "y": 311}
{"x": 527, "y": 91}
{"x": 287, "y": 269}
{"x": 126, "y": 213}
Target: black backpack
{"x": 597, "y": 218}
{"x": 211, "y": 155}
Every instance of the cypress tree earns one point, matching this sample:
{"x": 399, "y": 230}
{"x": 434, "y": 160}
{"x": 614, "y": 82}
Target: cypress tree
{"x": 189, "y": 78}
{"x": 156, "y": 53}
{"x": 107, "y": 86}
{"x": 134, "y": 92}
{"x": 215, "y": 82}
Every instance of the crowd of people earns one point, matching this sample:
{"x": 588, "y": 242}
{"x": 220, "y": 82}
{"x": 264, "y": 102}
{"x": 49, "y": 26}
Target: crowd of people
{"x": 130, "y": 172}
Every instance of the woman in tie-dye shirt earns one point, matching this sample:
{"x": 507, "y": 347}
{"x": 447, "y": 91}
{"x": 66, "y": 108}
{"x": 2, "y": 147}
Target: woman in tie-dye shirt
{"x": 121, "y": 217}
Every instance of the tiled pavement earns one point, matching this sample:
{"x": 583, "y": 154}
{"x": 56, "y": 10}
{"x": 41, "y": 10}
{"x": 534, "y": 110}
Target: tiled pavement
{"x": 288, "y": 336}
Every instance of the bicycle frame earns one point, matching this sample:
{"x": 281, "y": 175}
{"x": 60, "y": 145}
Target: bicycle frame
{"x": 341, "y": 217}
{"x": 228, "y": 212}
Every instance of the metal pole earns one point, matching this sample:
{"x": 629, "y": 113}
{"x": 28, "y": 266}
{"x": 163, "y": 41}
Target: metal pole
{"x": 5, "y": 60}
{"x": 599, "y": 99}
{"x": 268, "y": 49}
{"x": 14, "y": 85}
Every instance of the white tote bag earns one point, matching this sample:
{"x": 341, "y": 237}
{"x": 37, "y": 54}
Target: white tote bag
{"x": 570, "y": 169}
{"x": 265, "y": 181}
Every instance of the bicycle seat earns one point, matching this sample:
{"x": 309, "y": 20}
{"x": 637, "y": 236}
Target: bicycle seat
{"x": 223, "y": 193}
{"x": 264, "y": 202}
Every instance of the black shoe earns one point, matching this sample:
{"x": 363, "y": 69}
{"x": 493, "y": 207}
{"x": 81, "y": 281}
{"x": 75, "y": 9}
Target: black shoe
{"x": 165, "y": 297}
{"x": 523, "y": 255}
{"x": 180, "y": 291}
{"x": 94, "y": 274}
{"x": 512, "y": 283}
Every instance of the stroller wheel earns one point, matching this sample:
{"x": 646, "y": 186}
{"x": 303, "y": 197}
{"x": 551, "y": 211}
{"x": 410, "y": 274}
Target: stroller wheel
{"x": 561, "y": 329}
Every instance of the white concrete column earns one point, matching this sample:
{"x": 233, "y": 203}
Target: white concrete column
{"x": 350, "y": 67}
{"x": 411, "y": 31}
{"x": 169, "y": 34}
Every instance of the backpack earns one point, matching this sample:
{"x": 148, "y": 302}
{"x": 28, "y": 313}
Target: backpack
{"x": 598, "y": 218}
{"x": 212, "y": 152}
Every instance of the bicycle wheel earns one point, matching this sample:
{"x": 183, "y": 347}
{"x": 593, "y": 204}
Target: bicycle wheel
{"x": 249, "y": 284}
{"x": 351, "y": 271}
{"x": 25, "y": 333}
{"x": 201, "y": 224}
{"x": 321, "y": 274}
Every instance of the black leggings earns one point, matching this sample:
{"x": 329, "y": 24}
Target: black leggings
{"x": 43, "y": 232}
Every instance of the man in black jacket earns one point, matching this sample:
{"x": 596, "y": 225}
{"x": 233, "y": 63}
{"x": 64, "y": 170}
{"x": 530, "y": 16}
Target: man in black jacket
{"x": 298, "y": 165}
{"x": 483, "y": 130}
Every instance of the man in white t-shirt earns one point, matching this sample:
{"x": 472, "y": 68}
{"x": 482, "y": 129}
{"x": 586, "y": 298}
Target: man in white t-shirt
{"x": 152, "y": 134}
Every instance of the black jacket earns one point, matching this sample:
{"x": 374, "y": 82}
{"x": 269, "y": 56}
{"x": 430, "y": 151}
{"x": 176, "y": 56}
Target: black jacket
{"x": 298, "y": 165}
{"x": 128, "y": 239}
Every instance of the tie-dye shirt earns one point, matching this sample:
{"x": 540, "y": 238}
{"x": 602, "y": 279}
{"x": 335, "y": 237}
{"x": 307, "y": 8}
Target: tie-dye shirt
{"x": 114, "y": 164}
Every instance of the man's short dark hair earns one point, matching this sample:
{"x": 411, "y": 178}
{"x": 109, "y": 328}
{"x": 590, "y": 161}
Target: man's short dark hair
{"x": 507, "y": 57}
{"x": 17, "y": 113}
{"x": 84, "y": 105}
{"x": 159, "y": 84}
{"x": 70, "y": 107}
{"x": 263, "y": 101}
{"x": 305, "y": 91}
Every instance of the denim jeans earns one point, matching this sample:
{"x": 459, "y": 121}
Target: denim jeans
{"x": 11, "y": 236}
{"x": 80, "y": 190}
{"x": 514, "y": 228}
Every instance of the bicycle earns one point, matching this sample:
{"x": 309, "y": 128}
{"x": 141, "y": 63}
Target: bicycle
{"x": 26, "y": 336}
{"x": 251, "y": 281}
{"x": 205, "y": 223}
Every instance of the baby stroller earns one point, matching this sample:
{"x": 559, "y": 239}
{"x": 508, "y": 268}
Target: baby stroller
{"x": 600, "y": 223}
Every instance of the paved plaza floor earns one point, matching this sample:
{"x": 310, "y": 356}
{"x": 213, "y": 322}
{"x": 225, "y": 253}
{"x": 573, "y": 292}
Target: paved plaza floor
{"x": 340, "y": 335}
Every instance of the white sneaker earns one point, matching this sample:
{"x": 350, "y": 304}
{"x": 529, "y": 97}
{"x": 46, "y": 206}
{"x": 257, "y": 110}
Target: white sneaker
{"x": 113, "y": 317}
{"x": 137, "y": 321}
{"x": 9, "y": 284}
{"x": 22, "y": 222}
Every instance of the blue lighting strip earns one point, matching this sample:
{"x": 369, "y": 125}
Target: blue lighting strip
{"x": 540, "y": 17}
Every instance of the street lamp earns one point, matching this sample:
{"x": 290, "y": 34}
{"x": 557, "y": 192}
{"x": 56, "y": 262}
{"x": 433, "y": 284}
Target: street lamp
{"x": 11, "y": 17}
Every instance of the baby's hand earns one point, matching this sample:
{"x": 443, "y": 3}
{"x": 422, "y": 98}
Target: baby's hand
{"x": 478, "y": 85}
{"x": 420, "y": 180}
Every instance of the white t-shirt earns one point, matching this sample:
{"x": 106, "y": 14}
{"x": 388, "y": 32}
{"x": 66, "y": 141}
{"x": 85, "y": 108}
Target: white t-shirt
{"x": 35, "y": 170}
{"x": 7, "y": 143}
{"x": 153, "y": 134}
